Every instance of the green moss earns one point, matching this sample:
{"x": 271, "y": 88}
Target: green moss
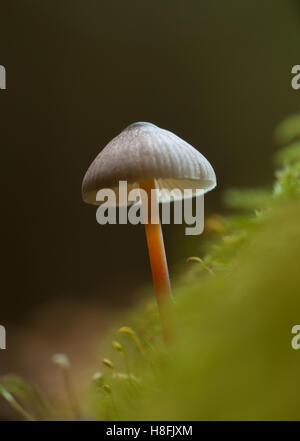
{"x": 231, "y": 355}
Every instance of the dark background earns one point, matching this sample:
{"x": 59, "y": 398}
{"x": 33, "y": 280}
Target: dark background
{"x": 78, "y": 71}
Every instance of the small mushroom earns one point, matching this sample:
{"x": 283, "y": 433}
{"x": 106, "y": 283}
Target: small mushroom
{"x": 149, "y": 158}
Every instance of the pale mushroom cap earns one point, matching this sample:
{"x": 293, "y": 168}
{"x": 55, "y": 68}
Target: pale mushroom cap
{"x": 144, "y": 151}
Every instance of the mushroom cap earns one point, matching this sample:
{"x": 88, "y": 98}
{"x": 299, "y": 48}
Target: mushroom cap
{"x": 144, "y": 151}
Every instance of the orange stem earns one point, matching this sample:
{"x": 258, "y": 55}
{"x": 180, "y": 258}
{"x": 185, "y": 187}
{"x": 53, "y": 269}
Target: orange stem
{"x": 156, "y": 248}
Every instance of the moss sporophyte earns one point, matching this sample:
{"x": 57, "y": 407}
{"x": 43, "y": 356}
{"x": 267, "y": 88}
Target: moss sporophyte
{"x": 237, "y": 309}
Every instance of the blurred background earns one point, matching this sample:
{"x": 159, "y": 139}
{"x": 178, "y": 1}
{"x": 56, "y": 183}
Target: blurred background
{"x": 78, "y": 71}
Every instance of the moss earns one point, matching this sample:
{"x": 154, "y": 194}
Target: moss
{"x": 231, "y": 355}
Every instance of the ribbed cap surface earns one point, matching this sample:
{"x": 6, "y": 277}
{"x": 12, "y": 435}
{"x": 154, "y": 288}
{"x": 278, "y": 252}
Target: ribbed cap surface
{"x": 144, "y": 151}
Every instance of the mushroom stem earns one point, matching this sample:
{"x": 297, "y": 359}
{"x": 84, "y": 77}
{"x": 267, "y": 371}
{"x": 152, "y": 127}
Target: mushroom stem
{"x": 156, "y": 249}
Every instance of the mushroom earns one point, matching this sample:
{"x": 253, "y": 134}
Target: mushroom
{"x": 150, "y": 158}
